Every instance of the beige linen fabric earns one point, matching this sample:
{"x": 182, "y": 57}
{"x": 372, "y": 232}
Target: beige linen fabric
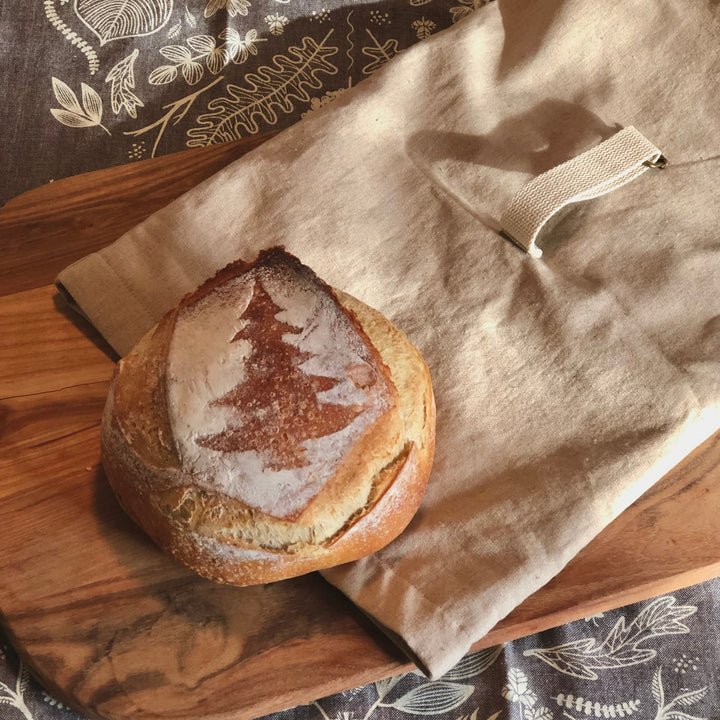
{"x": 621, "y": 158}
{"x": 565, "y": 386}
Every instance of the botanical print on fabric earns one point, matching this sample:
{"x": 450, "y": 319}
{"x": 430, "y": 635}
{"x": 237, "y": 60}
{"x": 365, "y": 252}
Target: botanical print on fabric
{"x": 192, "y": 74}
{"x": 655, "y": 660}
{"x": 622, "y": 647}
{"x": 72, "y": 113}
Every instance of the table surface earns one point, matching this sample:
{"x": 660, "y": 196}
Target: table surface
{"x": 54, "y": 371}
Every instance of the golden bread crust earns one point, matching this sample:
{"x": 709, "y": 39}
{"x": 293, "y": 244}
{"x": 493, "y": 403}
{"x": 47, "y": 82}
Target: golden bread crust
{"x": 371, "y": 495}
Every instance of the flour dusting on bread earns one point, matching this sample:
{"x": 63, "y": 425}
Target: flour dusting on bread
{"x": 269, "y": 385}
{"x": 269, "y": 426}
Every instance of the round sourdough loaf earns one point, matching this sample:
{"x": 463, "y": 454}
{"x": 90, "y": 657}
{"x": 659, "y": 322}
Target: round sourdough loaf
{"x": 269, "y": 426}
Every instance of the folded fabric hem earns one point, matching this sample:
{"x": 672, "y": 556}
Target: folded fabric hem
{"x": 105, "y": 314}
{"x": 442, "y": 625}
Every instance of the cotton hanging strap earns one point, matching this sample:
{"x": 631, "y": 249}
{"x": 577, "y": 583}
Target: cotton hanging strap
{"x": 606, "y": 167}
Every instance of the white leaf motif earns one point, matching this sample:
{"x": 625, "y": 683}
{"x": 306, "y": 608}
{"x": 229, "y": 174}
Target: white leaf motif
{"x": 162, "y": 75}
{"x": 517, "y": 689}
{"x": 72, "y": 119}
{"x": 217, "y": 60}
{"x": 176, "y": 53}
{"x": 192, "y": 72}
{"x": 433, "y": 698}
{"x": 677, "y": 715}
{"x": 113, "y": 20}
{"x": 23, "y": 679}
{"x": 212, "y": 7}
{"x": 657, "y": 688}
{"x": 474, "y": 664}
{"x": 92, "y": 103}
{"x": 621, "y": 648}
{"x": 538, "y": 713}
{"x": 517, "y": 681}
{"x": 66, "y": 97}
{"x": 89, "y": 115}
{"x": 691, "y": 697}
{"x": 190, "y": 19}
{"x": 202, "y": 43}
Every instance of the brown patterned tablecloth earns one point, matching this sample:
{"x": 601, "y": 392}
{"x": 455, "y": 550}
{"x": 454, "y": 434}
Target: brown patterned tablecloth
{"x": 87, "y": 84}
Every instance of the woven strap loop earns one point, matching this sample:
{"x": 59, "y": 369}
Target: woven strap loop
{"x": 606, "y": 167}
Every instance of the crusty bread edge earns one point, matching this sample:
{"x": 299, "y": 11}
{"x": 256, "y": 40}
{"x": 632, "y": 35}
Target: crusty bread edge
{"x": 135, "y": 487}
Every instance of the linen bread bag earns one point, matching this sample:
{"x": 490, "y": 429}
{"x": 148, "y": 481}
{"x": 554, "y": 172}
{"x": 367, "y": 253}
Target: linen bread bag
{"x": 565, "y": 386}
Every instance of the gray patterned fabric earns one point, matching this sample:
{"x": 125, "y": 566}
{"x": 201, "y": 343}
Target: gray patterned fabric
{"x": 654, "y": 660}
{"x": 88, "y": 84}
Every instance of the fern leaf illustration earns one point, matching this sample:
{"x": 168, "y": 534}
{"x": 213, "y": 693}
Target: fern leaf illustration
{"x": 71, "y": 36}
{"x": 23, "y": 679}
{"x": 593, "y": 708}
{"x": 122, "y": 82}
{"x": 539, "y": 712}
{"x": 190, "y": 19}
{"x": 690, "y": 698}
{"x": 677, "y": 715}
{"x": 658, "y": 692}
{"x": 268, "y": 92}
{"x": 685, "y": 699}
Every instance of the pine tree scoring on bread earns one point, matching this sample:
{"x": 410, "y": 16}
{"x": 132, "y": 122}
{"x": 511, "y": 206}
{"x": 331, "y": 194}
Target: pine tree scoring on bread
{"x": 270, "y": 426}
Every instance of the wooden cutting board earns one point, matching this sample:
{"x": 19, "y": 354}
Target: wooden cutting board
{"x": 118, "y": 630}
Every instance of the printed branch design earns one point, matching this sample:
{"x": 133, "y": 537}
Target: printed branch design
{"x": 176, "y": 110}
{"x": 594, "y": 708}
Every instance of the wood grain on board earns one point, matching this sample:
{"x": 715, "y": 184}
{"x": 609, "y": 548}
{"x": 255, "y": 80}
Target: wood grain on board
{"x": 118, "y": 630}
